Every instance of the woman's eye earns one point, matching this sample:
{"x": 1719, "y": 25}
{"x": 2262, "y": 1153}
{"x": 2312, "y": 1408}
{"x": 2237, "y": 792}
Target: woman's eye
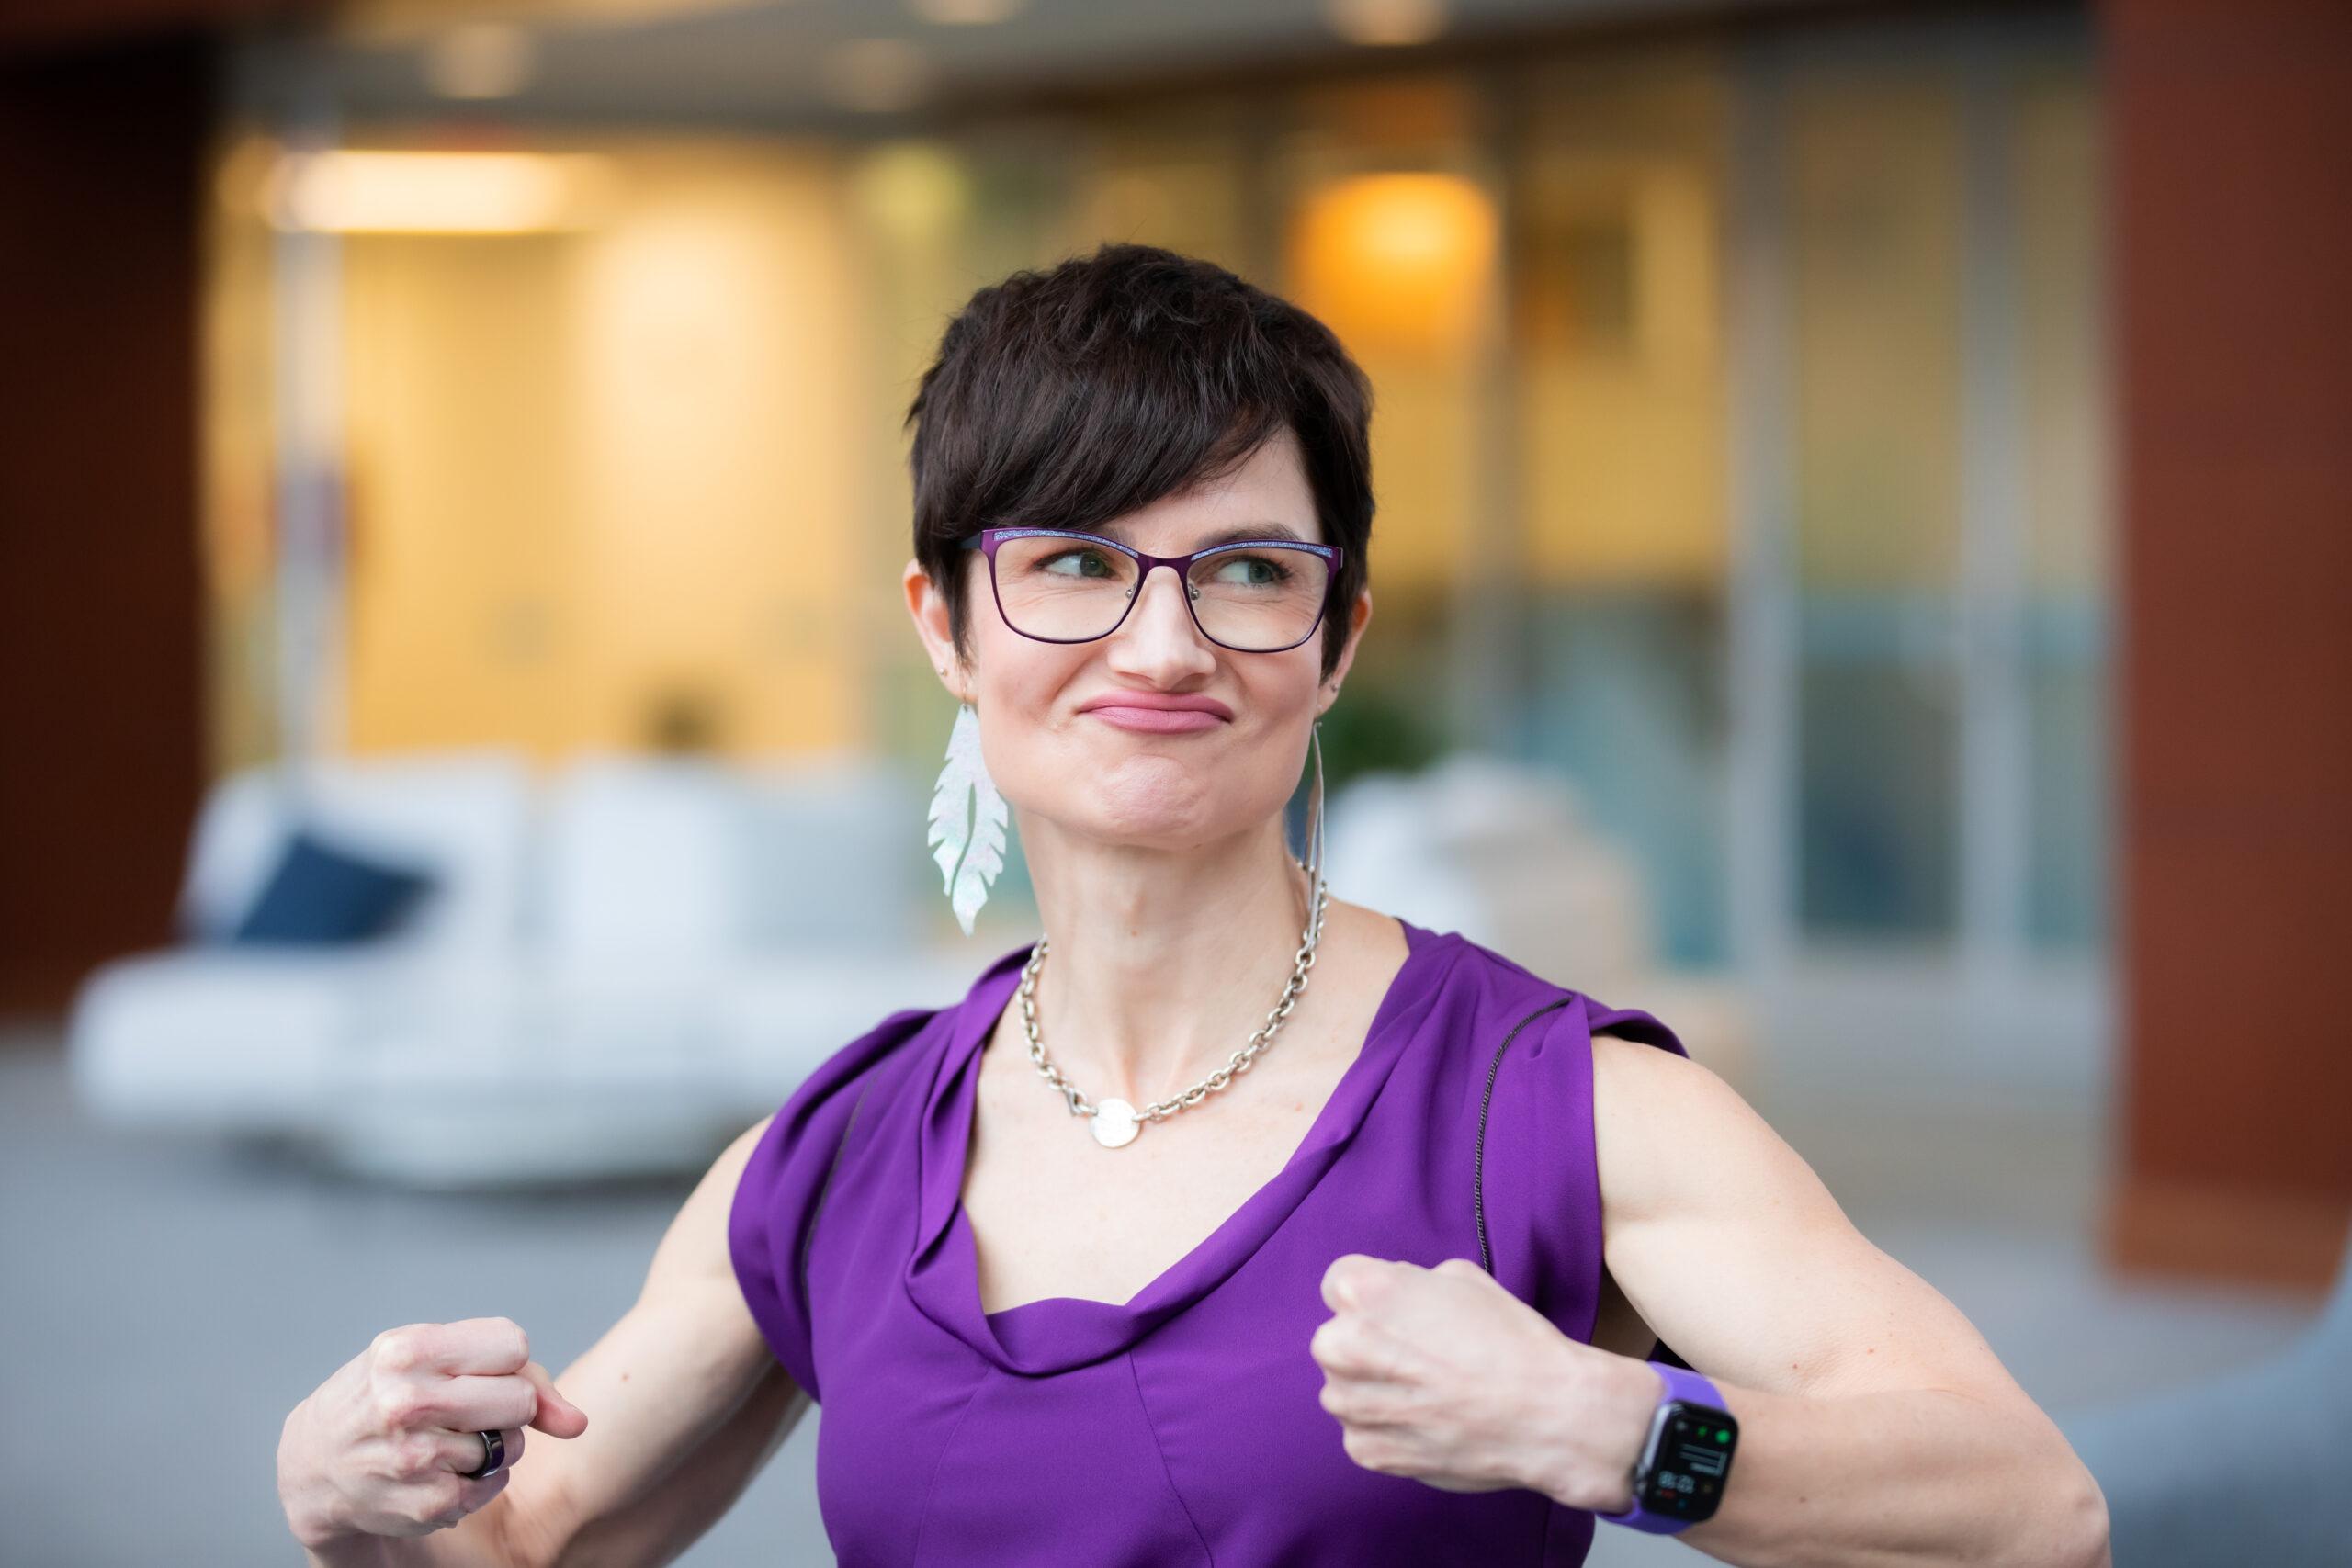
{"x": 1060, "y": 566}
{"x": 1255, "y": 572}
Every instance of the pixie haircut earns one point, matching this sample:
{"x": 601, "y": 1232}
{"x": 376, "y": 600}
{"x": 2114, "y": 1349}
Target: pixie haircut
{"x": 1068, "y": 398}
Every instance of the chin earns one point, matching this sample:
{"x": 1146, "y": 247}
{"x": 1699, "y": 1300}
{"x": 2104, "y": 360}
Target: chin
{"x": 1151, "y": 806}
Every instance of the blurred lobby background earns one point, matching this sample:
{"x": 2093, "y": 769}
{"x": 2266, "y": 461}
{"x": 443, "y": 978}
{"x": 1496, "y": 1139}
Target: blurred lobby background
{"x": 1865, "y": 514}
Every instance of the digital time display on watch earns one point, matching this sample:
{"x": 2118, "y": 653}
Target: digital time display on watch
{"x": 1689, "y": 1453}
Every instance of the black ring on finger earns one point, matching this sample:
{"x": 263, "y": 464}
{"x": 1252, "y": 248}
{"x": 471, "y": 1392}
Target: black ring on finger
{"x": 493, "y": 1455}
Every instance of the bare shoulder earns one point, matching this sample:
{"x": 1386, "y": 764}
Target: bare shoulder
{"x": 1361, "y": 928}
{"x": 1652, "y": 1107}
{"x": 1642, "y": 1086}
{"x": 1642, "y": 1098}
{"x": 1356, "y": 963}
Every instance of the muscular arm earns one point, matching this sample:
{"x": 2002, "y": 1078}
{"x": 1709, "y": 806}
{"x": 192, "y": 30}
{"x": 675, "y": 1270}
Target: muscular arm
{"x": 685, "y": 1402}
{"x": 1876, "y": 1427}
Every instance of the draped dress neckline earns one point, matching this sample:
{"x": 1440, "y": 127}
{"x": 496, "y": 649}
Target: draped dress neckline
{"x": 1054, "y": 1334}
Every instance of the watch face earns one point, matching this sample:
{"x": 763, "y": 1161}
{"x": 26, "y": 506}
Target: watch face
{"x": 1692, "y": 1458}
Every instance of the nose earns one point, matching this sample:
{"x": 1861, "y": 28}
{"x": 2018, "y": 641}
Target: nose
{"x": 1160, "y": 638}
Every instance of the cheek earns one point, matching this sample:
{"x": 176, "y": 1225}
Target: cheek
{"x": 1047, "y": 758}
{"x": 1021, "y": 686}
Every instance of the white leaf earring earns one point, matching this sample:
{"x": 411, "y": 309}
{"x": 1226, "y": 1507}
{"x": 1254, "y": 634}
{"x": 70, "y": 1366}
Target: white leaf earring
{"x": 967, "y": 821}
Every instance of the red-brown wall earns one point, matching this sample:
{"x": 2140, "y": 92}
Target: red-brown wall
{"x": 2232, "y": 140}
{"x": 27, "y": 27}
{"x": 101, "y": 740}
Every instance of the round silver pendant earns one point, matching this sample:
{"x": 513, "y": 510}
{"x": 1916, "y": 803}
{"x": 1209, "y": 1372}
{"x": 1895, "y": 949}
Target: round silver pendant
{"x": 1115, "y": 1124}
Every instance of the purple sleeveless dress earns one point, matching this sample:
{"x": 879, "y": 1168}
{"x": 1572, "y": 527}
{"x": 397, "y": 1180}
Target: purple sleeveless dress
{"x": 1181, "y": 1426}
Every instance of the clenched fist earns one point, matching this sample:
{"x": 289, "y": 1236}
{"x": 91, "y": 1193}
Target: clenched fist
{"x": 376, "y": 1449}
{"x": 1443, "y": 1375}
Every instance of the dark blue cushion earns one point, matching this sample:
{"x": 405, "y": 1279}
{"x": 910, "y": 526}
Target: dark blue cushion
{"x": 321, "y": 893}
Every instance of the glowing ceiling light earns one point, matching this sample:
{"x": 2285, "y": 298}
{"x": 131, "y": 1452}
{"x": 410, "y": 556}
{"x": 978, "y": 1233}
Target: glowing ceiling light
{"x": 1385, "y": 22}
{"x": 965, "y": 13}
{"x": 349, "y": 191}
{"x": 480, "y": 60}
{"x": 876, "y": 74}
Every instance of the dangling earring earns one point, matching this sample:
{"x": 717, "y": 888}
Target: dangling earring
{"x": 1313, "y": 863}
{"x": 969, "y": 838}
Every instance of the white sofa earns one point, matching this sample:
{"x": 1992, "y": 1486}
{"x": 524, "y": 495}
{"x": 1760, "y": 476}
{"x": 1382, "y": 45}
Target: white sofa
{"x": 620, "y": 966}
{"x": 1505, "y": 854}
{"x": 629, "y": 960}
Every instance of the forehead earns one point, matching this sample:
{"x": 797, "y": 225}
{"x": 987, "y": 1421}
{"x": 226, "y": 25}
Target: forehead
{"x": 1264, "y": 497}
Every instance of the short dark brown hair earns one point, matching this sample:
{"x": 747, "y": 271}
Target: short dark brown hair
{"x": 1066, "y": 398}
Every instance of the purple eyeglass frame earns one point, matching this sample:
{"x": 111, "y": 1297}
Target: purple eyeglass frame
{"x": 987, "y": 540}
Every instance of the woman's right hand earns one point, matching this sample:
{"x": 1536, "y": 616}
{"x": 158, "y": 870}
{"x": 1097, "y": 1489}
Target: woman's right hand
{"x": 375, "y": 1450}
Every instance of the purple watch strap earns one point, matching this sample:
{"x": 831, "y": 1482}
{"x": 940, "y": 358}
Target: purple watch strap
{"x": 1682, "y": 1383}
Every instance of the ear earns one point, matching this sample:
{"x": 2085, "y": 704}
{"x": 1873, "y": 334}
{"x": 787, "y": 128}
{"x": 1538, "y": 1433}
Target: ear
{"x": 927, "y": 606}
{"x": 1359, "y": 617}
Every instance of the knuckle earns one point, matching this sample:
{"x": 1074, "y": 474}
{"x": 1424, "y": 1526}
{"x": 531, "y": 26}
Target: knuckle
{"x": 1358, "y": 1280}
{"x": 1342, "y": 1342}
{"x": 401, "y": 1404}
{"x": 399, "y": 1349}
{"x": 413, "y": 1453}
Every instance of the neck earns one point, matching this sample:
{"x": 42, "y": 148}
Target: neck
{"x": 1163, "y": 963}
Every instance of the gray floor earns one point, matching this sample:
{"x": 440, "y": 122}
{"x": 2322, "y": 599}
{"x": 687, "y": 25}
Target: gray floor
{"x": 165, "y": 1303}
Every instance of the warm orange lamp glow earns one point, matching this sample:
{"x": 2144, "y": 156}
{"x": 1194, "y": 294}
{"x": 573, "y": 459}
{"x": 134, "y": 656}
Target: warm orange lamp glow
{"x": 1396, "y": 261}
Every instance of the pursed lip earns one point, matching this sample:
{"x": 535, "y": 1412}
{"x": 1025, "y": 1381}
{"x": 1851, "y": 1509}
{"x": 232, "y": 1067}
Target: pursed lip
{"x": 1157, "y": 712}
{"x": 1167, "y": 702}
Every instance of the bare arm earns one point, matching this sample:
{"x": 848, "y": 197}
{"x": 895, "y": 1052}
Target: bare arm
{"x": 1876, "y": 1425}
{"x": 691, "y": 1403}
{"x": 685, "y": 1402}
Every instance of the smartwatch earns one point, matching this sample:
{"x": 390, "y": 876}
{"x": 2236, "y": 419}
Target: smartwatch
{"x": 1686, "y": 1461}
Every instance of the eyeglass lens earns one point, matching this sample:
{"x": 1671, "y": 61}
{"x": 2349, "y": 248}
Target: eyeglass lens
{"x": 1253, "y": 597}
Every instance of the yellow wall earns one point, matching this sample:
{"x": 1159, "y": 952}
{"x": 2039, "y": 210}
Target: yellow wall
{"x": 1620, "y": 346}
{"x": 1877, "y": 246}
{"x": 663, "y": 453}
{"x": 590, "y": 467}
{"x": 235, "y": 445}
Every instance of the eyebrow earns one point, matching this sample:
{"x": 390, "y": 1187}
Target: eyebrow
{"x": 1115, "y": 530}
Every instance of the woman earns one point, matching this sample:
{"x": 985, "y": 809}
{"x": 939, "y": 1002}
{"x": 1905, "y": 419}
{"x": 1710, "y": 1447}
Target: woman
{"x": 1228, "y": 1222}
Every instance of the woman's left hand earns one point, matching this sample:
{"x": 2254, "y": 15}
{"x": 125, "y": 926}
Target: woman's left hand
{"x": 1443, "y": 1375}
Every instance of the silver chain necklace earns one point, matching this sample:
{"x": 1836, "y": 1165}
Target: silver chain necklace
{"x": 1116, "y": 1122}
